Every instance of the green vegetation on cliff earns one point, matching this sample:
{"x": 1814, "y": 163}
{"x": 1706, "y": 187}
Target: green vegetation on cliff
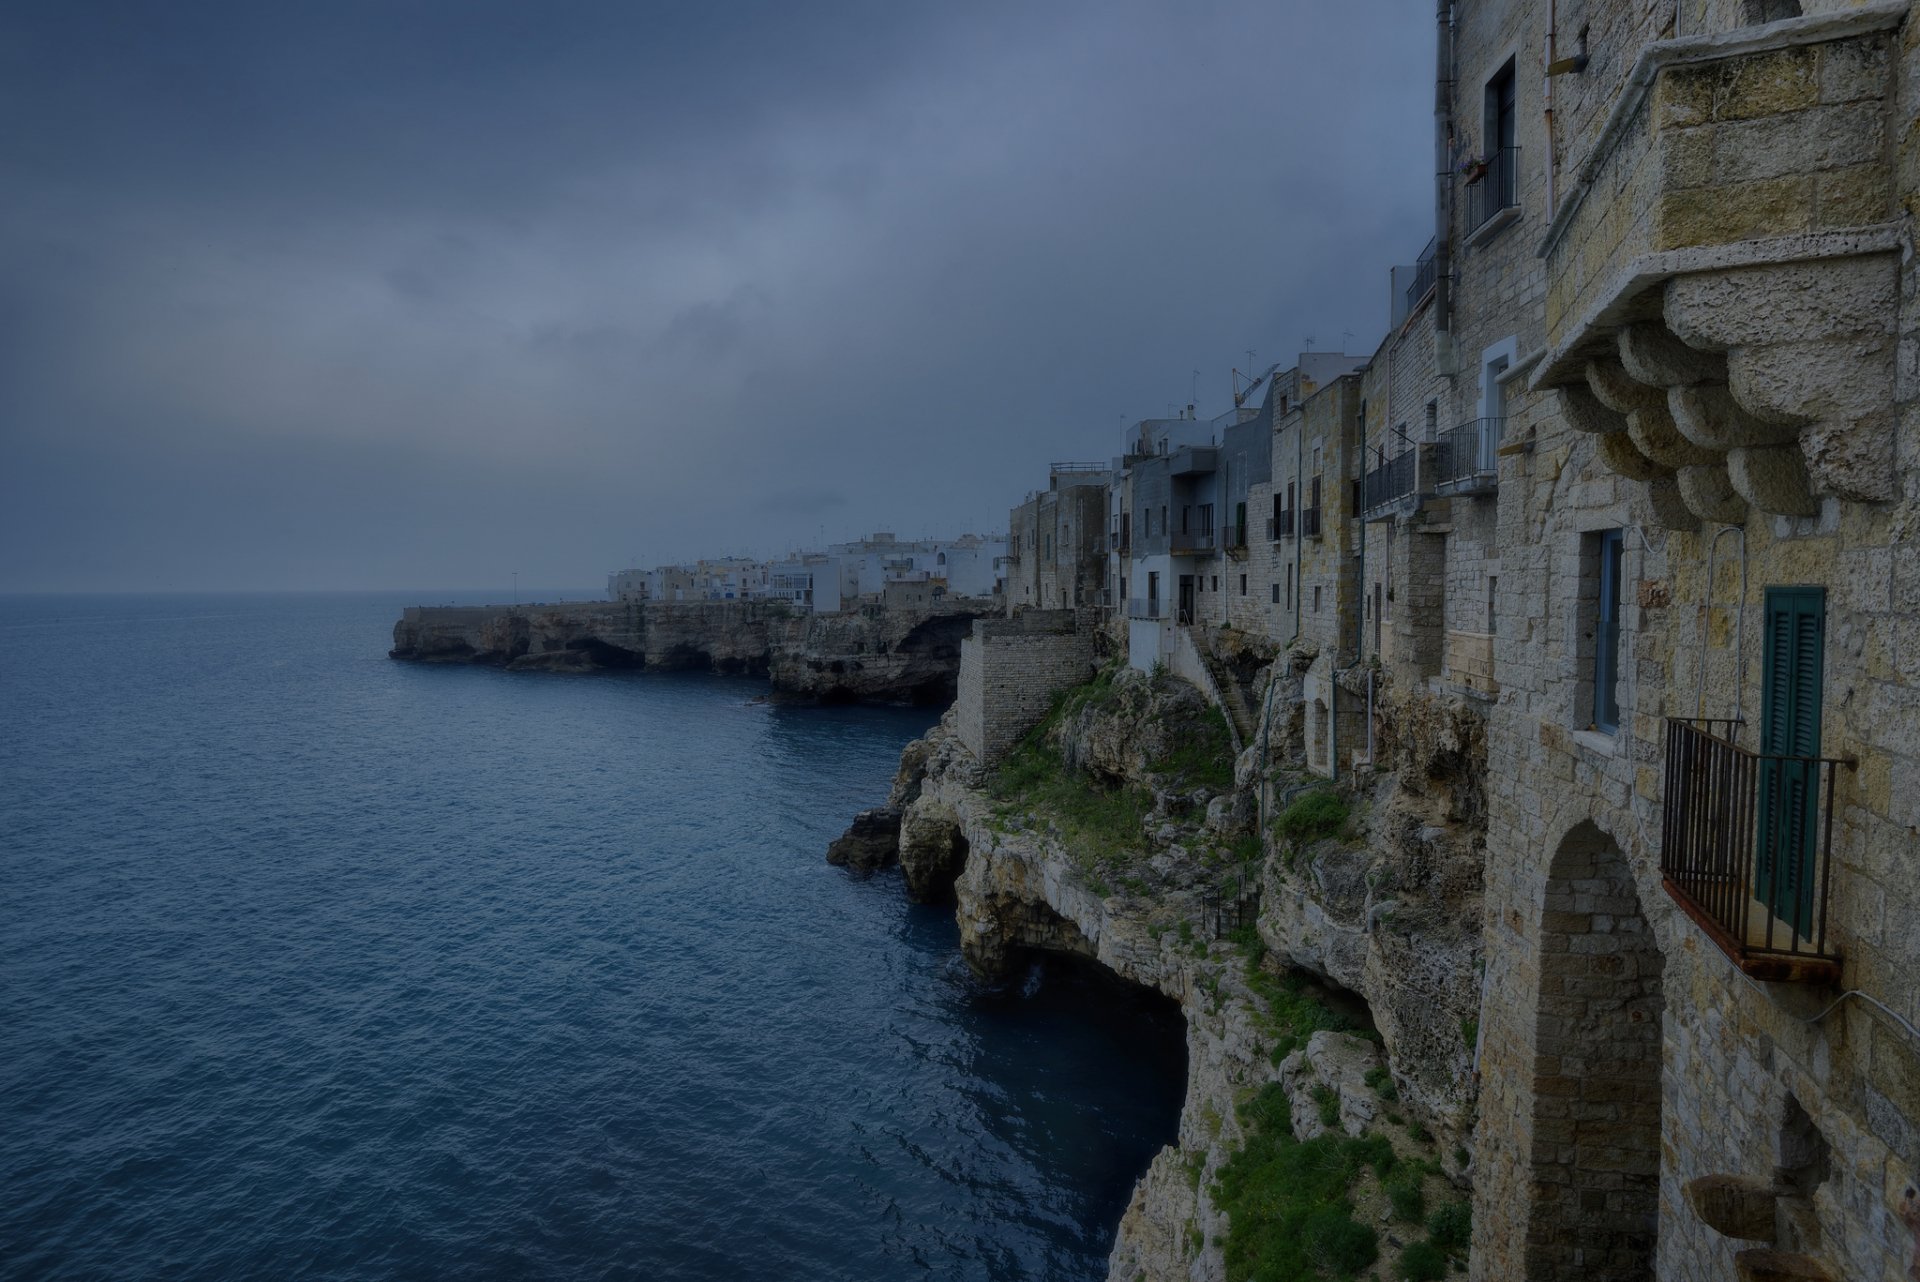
{"x": 1290, "y": 1216}
{"x": 1103, "y": 820}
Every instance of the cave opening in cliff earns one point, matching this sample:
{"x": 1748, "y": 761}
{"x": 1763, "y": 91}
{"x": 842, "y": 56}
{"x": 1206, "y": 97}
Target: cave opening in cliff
{"x": 940, "y": 866}
{"x": 607, "y": 655}
{"x": 1596, "y": 1080}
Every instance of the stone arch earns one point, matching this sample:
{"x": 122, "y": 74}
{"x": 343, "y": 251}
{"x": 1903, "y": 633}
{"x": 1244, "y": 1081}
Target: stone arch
{"x": 1596, "y": 1077}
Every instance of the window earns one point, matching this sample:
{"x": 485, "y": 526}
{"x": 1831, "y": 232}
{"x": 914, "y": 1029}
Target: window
{"x": 1603, "y": 580}
{"x": 1433, "y": 421}
{"x": 1289, "y": 587}
{"x": 1153, "y": 594}
{"x": 1216, "y": 583}
{"x": 1316, "y": 598}
{"x": 1499, "y": 124}
{"x": 1243, "y": 585}
{"x": 1276, "y": 594}
{"x": 1493, "y": 595}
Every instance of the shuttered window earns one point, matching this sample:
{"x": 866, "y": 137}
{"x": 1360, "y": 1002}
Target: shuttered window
{"x": 1790, "y": 729}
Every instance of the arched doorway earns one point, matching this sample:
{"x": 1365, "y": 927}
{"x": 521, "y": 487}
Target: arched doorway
{"x": 1596, "y": 1082}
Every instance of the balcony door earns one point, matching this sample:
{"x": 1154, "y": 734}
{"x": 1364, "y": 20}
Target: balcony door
{"x": 1186, "y": 598}
{"x": 1790, "y": 729}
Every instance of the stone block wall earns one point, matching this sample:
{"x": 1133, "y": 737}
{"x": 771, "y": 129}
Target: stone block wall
{"x": 1749, "y": 1074}
{"x": 1010, "y": 670}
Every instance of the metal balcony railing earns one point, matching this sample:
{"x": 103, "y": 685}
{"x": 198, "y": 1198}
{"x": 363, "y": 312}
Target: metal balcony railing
{"x": 1465, "y": 461}
{"x": 1495, "y": 189}
{"x": 1194, "y": 541}
{"x": 1236, "y": 536}
{"x": 1391, "y": 481}
{"x": 1310, "y": 522}
{"x": 1146, "y": 607}
{"x": 1423, "y": 276}
{"x": 1746, "y": 845}
{"x": 1279, "y": 527}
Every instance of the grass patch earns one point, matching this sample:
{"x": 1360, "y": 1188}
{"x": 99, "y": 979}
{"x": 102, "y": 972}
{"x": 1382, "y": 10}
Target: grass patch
{"x": 1327, "y": 1104}
{"x": 1100, "y": 825}
{"x": 1313, "y": 815}
{"x": 1382, "y": 1082}
{"x": 1289, "y": 1213}
{"x": 1202, "y": 757}
{"x": 1292, "y": 1013}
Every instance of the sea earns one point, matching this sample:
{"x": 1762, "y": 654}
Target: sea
{"x": 314, "y": 964}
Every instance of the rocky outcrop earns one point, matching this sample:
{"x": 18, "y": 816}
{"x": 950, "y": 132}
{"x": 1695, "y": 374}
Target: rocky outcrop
{"x": 1390, "y": 908}
{"x": 871, "y": 842}
{"x": 875, "y": 655}
{"x": 1150, "y": 890}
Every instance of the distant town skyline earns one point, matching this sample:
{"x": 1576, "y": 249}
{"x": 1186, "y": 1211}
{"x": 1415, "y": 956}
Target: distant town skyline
{"x": 359, "y": 295}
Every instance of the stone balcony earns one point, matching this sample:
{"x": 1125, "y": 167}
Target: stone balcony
{"x": 1725, "y": 271}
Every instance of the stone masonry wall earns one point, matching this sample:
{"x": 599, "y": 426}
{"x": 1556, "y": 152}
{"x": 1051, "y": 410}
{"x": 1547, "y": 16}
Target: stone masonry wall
{"x": 1009, "y": 672}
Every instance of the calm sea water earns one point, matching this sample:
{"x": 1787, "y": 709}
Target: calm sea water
{"x": 317, "y": 965}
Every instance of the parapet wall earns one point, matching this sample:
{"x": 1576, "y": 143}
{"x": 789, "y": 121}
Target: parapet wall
{"x": 1010, "y": 669}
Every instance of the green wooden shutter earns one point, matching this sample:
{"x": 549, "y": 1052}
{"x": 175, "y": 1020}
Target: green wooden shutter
{"x": 1790, "y": 729}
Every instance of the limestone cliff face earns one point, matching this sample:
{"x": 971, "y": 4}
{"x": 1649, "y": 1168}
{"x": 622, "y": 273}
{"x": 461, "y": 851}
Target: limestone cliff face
{"x": 890, "y": 656}
{"x": 1384, "y": 909}
{"x": 1391, "y": 909}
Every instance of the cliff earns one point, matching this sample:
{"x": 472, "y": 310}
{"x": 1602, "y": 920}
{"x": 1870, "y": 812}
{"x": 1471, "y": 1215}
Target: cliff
{"x": 875, "y": 655}
{"x": 1319, "y": 963}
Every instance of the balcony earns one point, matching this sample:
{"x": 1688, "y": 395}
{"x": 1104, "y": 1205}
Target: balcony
{"x": 1279, "y": 527}
{"x": 1493, "y": 198}
{"x": 1732, "y": 167}
{"x": 1146, "y": 607}
{"x": 1387, "y": 484}
{"x": 1746, "y": 848}
{"x": 1187, "y": 542}
{"x": 1309, "y": 522}
{"x": 1236, "y": 536}
{"x": 1466, "y": 460}
{"x": 1414, "y": 283}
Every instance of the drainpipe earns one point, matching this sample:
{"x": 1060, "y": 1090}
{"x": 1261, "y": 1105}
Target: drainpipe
{"x": 1443, "y": 168}
{"x": 1546, "y": 91}
{"x": 1299, "y": 525}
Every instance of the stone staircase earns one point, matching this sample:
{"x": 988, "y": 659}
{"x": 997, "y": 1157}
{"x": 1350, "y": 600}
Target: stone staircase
{"x": 1226, "y": 693}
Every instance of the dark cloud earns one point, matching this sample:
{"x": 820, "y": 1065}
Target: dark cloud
{"x": 398, "y": 293}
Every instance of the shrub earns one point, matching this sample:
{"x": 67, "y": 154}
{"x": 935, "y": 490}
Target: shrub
{"x": 1382, "y": 1082}
{"x": 1289, "y": 1216}
{"x": 1317, "y": 814}
{"x": 1337, "y": 1243}
{"x": 1327, "y": 1104}
{"x": 1450, "y": 1227}
{"x": 1422, "y": 1262}
{"x": 1406, "y": 1198}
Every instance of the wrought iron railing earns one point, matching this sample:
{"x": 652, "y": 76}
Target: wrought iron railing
{"x": 1279, "y": 527}
{"x": 1194, "y": 540}
{"x": 1746, "y": 845}
{"x": 1310, "y": 522}
{"x": 1495, "y": 187}
{"x": 1466, "y": 458}
{"x": 1236, "y": 538}
{"x": 1423, "y": 276}
{"x": 1146, "y": 607}
{"x": 1390, "y": 481}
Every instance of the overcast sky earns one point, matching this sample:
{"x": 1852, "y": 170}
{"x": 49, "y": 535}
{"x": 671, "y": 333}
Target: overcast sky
{"x": 410, "y": 294}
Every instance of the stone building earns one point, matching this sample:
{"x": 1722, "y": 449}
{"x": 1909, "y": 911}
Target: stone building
{"x": 1686, "y": 294}
{"x": 1057, "y": 541}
